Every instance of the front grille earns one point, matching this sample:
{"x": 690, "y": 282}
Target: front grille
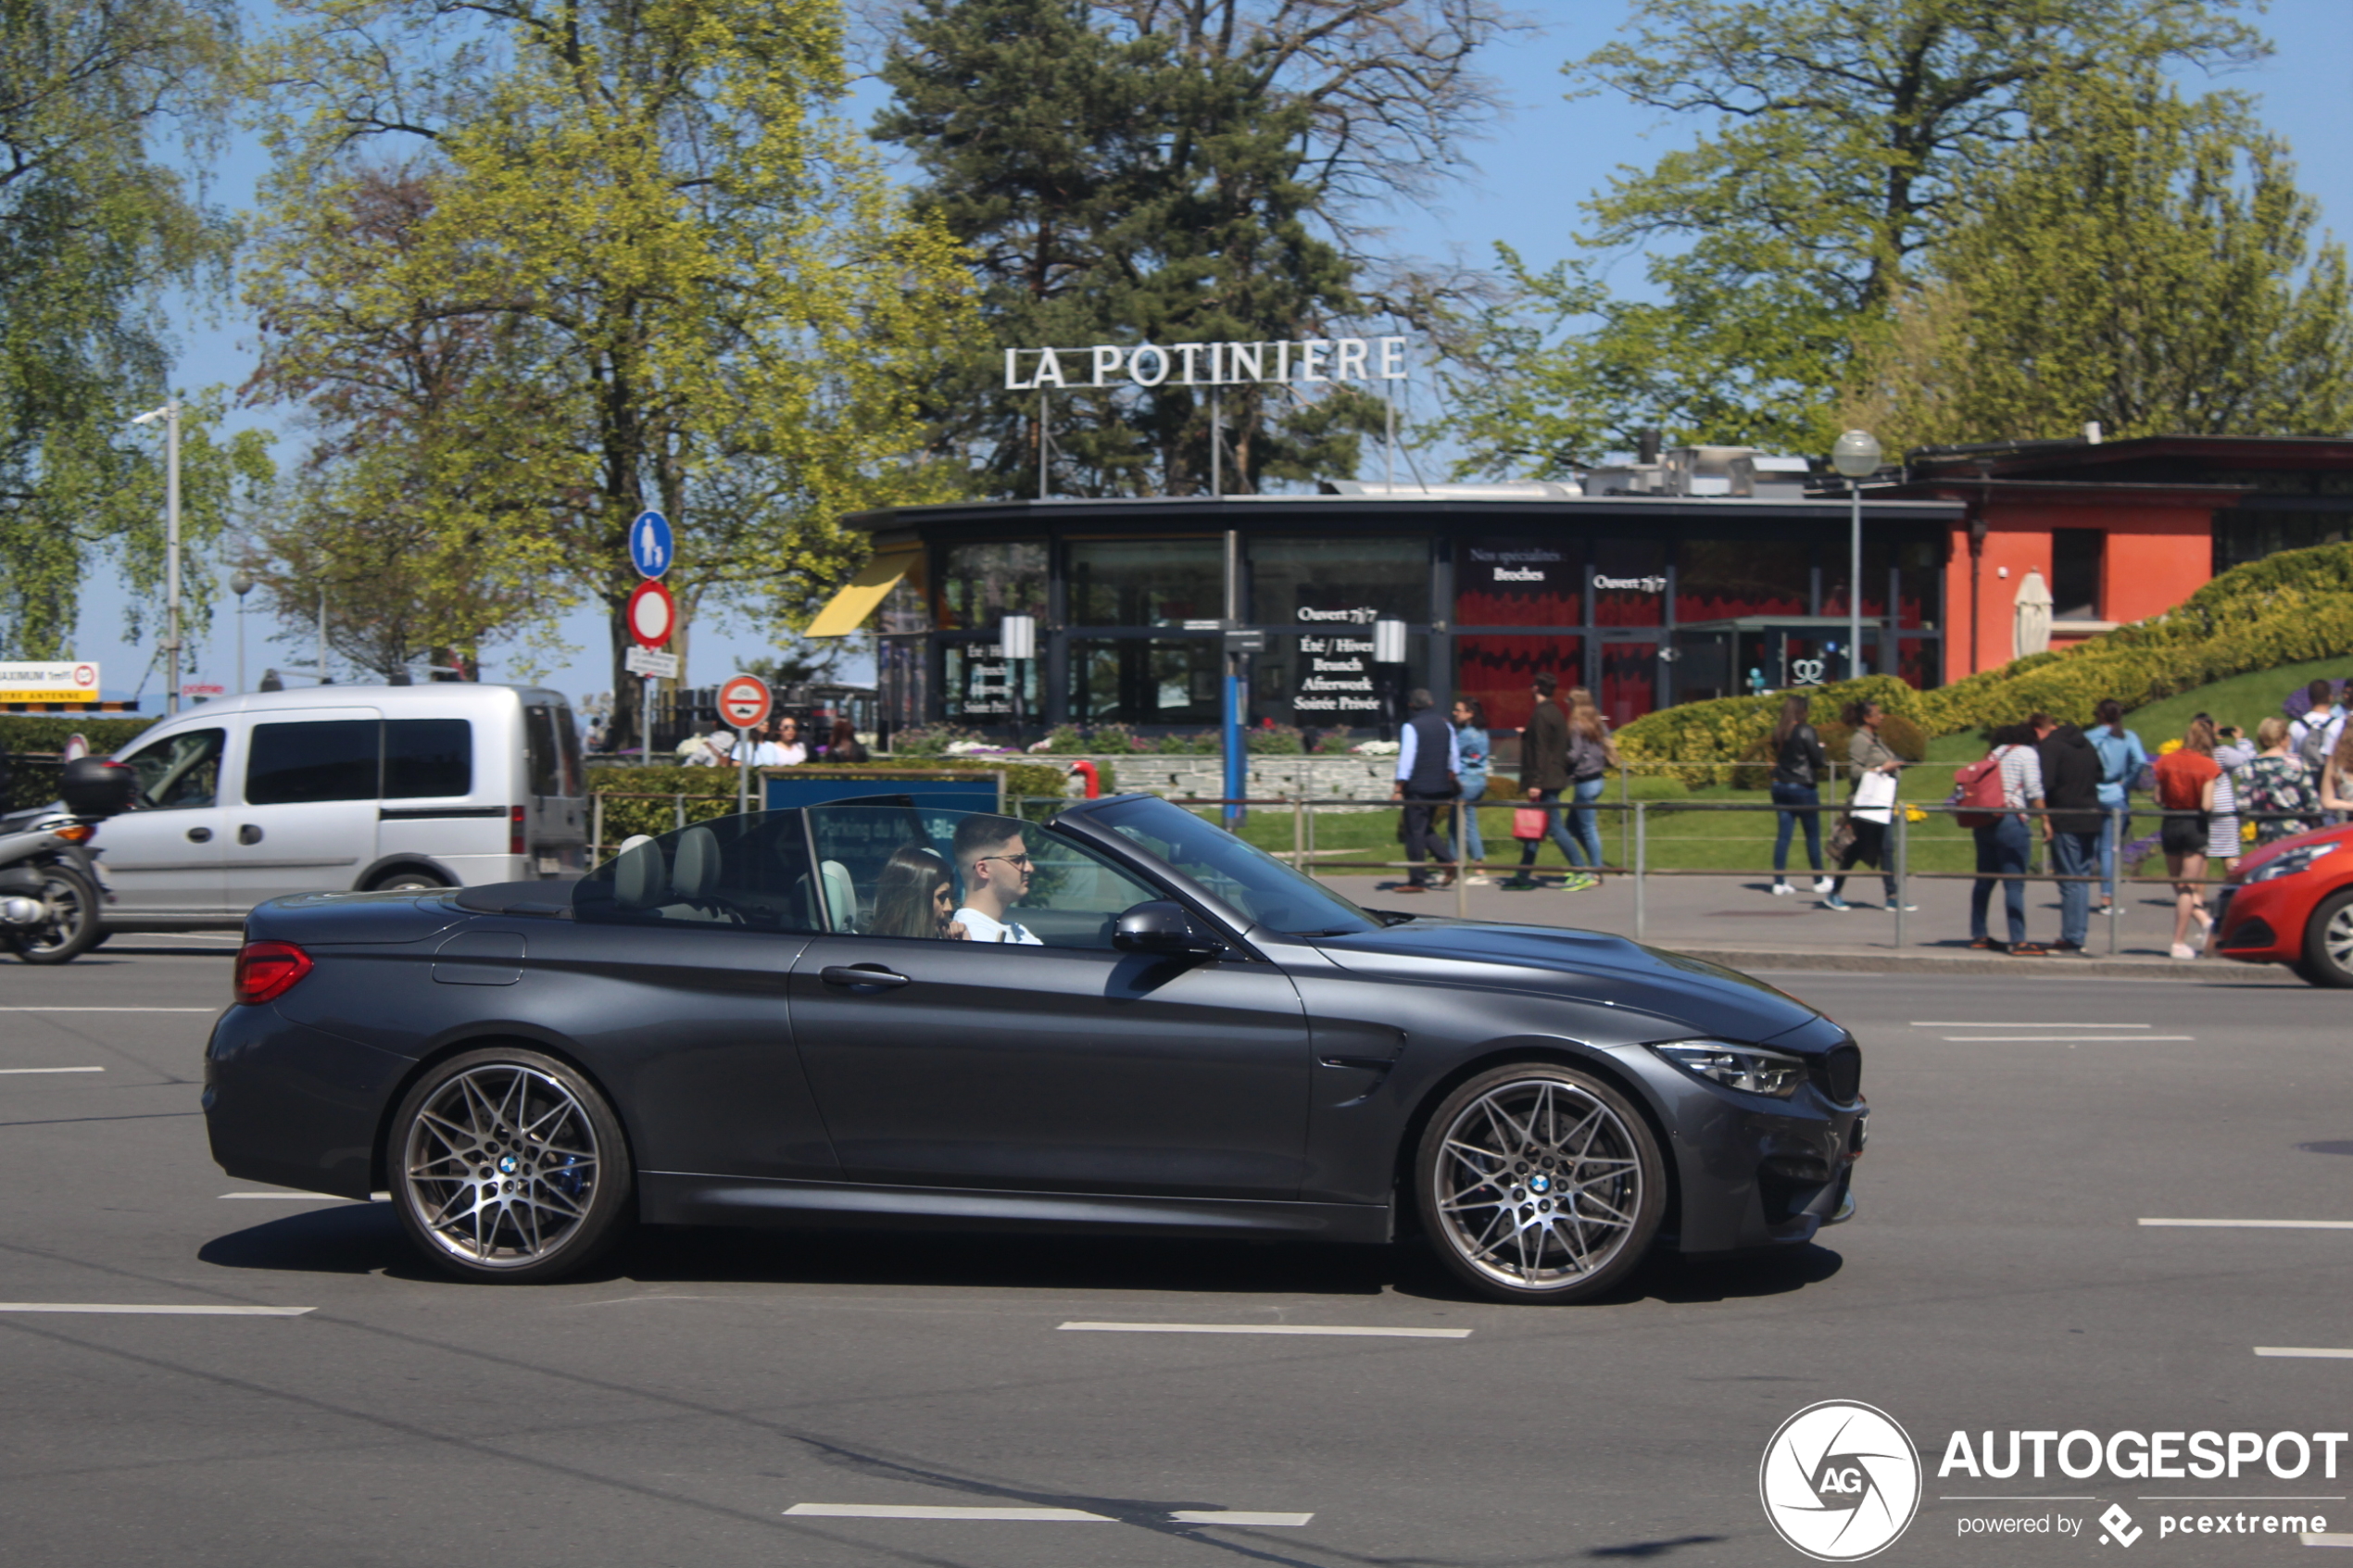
{"x": 2251, "y": 934}
{"x": 1838, "y": 1073}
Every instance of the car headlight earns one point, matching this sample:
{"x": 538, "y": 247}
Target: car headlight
{"x": 1747, "y": 1068}
{"x": 2295, "y": 860}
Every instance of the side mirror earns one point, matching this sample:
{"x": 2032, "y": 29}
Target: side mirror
{"x": 1164, "y": 928}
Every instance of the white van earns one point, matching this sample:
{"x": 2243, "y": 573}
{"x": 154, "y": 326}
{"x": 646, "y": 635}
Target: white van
{"x": 337, "y": 788}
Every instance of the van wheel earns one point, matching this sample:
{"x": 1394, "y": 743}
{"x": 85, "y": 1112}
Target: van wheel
{"x": 408, "y": 882}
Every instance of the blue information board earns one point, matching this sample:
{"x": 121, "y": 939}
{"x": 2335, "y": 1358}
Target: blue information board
{"x": 970, "y": 793}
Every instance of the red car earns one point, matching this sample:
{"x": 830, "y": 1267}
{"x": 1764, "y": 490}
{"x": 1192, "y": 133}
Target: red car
{"x": 2290, "y": 902}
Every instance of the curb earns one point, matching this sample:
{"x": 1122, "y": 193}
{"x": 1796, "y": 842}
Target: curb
{"x": 1954, "y": 963}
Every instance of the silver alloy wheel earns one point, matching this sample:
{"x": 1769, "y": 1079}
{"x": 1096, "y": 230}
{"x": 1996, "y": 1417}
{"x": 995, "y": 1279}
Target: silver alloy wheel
{"x": 2336, "y": 939}
{"x": 69, "y": 923}
{"x": 1538, "y": 1184}
{"x": 500, "y": 1166}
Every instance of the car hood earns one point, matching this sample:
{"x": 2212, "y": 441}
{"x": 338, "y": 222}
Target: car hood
{"x": 2280, "y": 846}
{"x": 1690, "y": 996}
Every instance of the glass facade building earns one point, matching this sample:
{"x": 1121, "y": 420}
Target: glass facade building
{"x": 1646, "y": 600}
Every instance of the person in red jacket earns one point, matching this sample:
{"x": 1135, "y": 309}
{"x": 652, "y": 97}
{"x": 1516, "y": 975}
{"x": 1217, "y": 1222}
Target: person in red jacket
{"x": 2185, "y": 780}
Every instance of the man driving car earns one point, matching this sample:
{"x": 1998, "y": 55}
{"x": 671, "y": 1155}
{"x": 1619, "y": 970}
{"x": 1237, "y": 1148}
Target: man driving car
{"x": 995, "y": 865}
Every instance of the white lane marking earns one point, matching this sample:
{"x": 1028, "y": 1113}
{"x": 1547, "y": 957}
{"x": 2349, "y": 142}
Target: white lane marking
{"x": 2255, "y": 1224}
{"x": 2015, "y": 1497}
{"x": 14, "y": 1072}
{"x": 2067, "y": 1039}
{"x": 2329, "y": 1538}
{"x": 2304, "y": 1352}
{"x": 293, "y": 1197}
{"x": 110, "y": 1010}
{"x": 1036, "y": 1515}
{"x": 2003, "y": 1024}
{"x": 1269, "y": 1328}
{"x": 905, "y": 1511}
{"x": 136, "y": 1310}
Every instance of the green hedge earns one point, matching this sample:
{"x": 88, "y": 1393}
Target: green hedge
{"x": 710, "y": 792}
{"x": 40, "y": 733}
{"x": 2286, "y": 609}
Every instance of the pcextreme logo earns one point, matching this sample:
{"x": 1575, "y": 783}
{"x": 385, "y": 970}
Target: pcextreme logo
{"x": 1839, "y": 1481}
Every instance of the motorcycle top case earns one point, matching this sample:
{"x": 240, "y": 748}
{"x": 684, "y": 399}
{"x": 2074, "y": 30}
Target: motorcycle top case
{"x": 97, "y": 786}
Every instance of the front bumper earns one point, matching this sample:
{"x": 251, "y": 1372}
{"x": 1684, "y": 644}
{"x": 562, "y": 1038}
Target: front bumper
{"x": 2257, "y": 922}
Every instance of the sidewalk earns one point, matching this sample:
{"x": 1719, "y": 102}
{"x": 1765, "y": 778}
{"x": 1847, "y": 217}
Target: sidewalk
{"x": 1734, "y": 920}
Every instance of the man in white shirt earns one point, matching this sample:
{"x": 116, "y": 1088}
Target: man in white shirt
{"x": 994, "y": 861}
{"x": 2314, "y": 735}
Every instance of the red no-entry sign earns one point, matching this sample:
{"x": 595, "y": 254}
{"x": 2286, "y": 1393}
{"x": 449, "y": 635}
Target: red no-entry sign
{"x": 652, "y": 615}
{"x": 743, "y": 701}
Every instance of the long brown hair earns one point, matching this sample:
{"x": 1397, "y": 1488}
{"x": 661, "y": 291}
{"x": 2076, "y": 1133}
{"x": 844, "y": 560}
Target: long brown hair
{"x": 1584, "y": 717}
{"x": 2201, "y": 738}
{"x": 905, "y": 894}
{"x": 1794, "y": 710}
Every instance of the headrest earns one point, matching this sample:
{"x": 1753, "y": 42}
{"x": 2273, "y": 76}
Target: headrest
{"x": 696, "y": 870}
{"x": 841, "y": 895}
{"x": 639, "y": 881}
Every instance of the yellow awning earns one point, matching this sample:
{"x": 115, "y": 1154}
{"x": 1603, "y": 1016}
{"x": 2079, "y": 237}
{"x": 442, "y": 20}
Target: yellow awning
{"x": 853, "y": 604}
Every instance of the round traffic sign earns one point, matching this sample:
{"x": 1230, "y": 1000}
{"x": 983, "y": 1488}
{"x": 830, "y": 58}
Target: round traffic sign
{"x": 743, "y": 701}
{"x": 650, "y": 548}
{"x": 652, "y": 615}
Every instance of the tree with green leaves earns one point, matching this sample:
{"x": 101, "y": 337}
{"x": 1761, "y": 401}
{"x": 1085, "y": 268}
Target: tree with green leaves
{"x": 1135, "y": 170}
{"x": 2143, "y": 259}
{"x": 696, "y": 291}
{"x": 93, "y": 231}
{"x": 1842, "y": 139}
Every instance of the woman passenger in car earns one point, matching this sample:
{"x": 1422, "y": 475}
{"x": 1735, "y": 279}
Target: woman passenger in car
{"x": 912, "y": 898}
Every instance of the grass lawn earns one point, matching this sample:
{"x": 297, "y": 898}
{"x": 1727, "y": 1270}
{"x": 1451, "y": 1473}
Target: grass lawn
{"x": 2244, "y": 700}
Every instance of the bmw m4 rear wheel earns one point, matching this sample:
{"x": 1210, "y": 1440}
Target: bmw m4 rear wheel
{"x": 1539, "y": 1183}
{"x": 508, "y": 1166}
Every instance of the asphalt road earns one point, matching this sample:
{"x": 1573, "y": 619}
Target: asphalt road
{"x": 674, "y": 1408}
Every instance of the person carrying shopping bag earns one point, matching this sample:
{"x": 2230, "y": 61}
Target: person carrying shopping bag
{"x": 1871, "y": 812}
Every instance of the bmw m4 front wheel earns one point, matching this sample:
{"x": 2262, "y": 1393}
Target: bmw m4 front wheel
{"x": 1538, "y": 1183}
{"x": 508, "y": 1166}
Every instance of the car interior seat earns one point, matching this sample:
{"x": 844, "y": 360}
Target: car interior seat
{"x": 841, "y": 895}
{"x": 640, "y": 880}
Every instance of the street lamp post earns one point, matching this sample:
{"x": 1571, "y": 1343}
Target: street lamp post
{"x": 240, "y": 584}
{"x": 1855, "y": 455}
{"x": 169, "y": 415}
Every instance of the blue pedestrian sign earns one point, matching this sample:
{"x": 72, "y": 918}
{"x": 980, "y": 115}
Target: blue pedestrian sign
{"x": 649, "y": 550}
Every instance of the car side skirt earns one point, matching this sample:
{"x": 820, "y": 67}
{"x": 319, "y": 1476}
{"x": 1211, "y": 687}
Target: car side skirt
{"x": 667, "y": 1198}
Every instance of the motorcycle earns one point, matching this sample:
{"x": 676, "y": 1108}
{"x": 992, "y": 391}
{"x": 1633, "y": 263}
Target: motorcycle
{"x": 50, "y": 892}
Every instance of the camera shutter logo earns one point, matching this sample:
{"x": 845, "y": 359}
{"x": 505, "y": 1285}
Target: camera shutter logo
{"x": 1839, "y": 1481}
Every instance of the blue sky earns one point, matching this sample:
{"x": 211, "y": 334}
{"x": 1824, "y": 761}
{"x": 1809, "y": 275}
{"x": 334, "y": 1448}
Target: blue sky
{"x": 1522, "y": 185}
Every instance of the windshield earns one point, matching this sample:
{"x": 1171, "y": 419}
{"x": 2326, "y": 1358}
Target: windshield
{"x": 1245, "y": 877}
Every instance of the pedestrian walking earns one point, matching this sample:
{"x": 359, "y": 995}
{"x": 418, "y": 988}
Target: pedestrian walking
{"x": 1543, "y": 774}
{"x": 1592, "y": 755}
{"x": 2071, "y": 772}
{"x": 2275, "y": 788}
{"x": 2185, "y": 785}
{"x": 1871, "y": 811}
{"x": 2002, "y": 845}
{"x": 2121, "y": 758}
{"x": 1798, "y": 767}
{"x": 1471, "y": 747}
{"x": 1429, "y": 768}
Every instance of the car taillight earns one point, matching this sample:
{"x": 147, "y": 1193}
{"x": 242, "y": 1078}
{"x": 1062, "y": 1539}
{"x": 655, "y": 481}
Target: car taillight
{"x": 515, "y": 831}
{"x": 266, "y": 971}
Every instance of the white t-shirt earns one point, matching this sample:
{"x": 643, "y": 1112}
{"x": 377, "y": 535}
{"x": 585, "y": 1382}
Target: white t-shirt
{"x": 980, "y": 927}
{"x": 775, "y": 754}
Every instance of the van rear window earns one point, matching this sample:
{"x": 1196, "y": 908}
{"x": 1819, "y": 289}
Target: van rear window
{"x": 428, "y": 757}
{"x": 539, "y": 743}
{"x": 325, "y": 759}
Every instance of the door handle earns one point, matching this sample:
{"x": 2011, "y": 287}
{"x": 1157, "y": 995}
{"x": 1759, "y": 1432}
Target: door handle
{"x": 861, "y": 974}
{"x": 200, "y": 836}
{"x": 248, "y": 835}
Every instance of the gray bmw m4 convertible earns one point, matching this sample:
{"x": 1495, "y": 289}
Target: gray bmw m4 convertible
{"x": 1125, "y": 1018}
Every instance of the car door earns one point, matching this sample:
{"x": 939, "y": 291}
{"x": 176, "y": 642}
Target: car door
{"x": 163, "y": 856}
{"x": 311, "y": 787}
{"x": 1064, "y": 1066}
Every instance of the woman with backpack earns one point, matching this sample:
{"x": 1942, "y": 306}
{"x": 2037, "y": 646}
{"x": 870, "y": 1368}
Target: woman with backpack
{"x": 1997, "y": 790}
{"x": 1592, "y": 754}
{"x": 2121, "y": 760}
{"x": 1798, "y": 766}
{"x": 2185, "y": 785}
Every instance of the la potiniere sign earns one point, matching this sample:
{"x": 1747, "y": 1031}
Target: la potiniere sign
{"x": 48, "y": 682}
{"x": 1208, "y": 364}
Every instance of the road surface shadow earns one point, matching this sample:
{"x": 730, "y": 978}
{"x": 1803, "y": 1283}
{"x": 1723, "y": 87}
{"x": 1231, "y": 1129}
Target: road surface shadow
{"x": 360, "y": 1239}
{"x": 1644, "y": 1550}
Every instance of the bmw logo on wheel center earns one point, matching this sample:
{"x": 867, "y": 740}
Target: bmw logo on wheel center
{"x": 1839, "y": 1481}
